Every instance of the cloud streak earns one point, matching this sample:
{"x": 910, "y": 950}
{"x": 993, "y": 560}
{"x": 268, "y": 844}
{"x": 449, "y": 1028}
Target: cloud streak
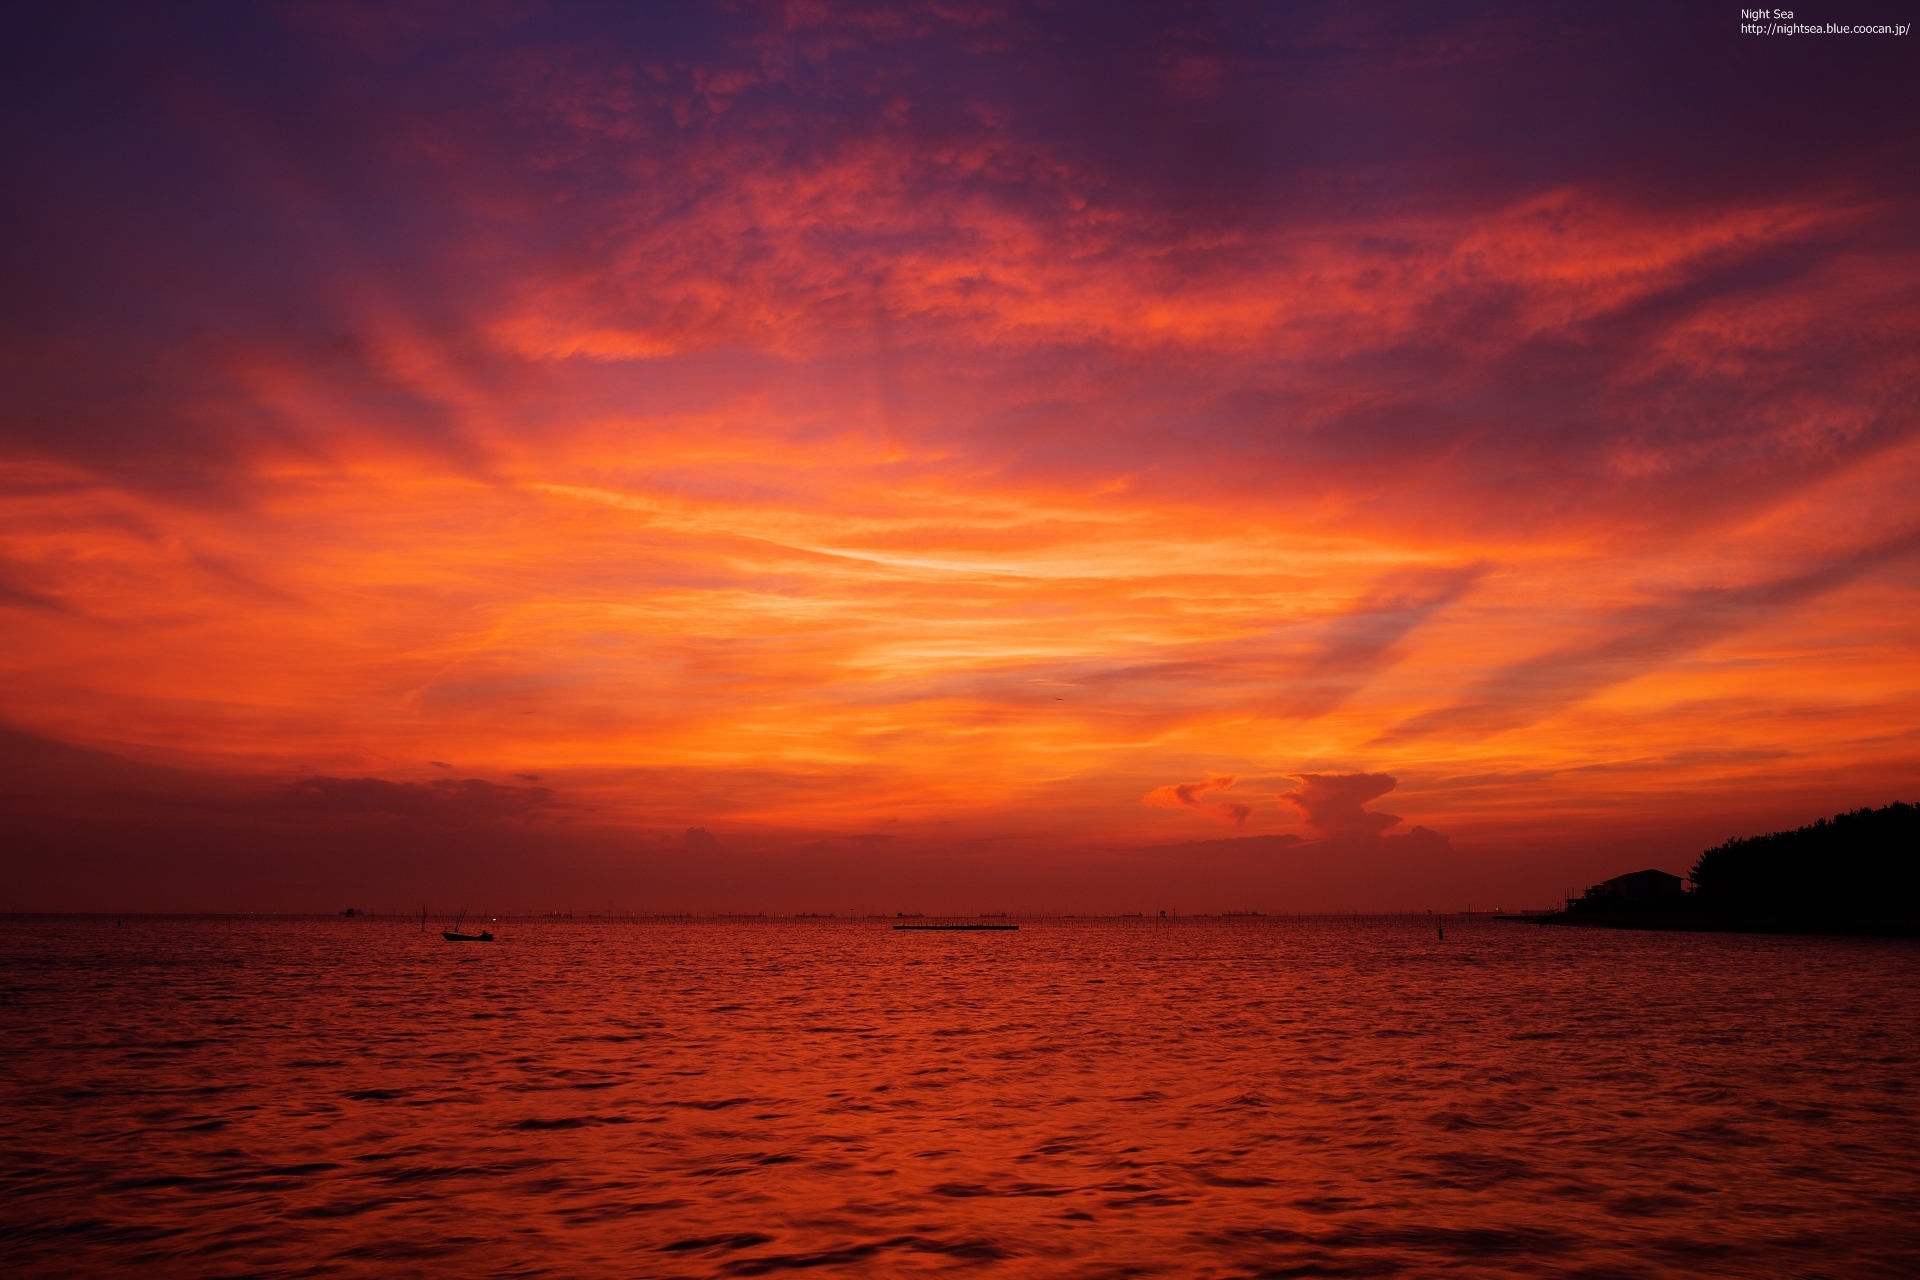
{"x": 1643, "y": 638}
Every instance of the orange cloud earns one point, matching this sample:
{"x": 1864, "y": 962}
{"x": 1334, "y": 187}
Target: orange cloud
{"x": 1187, "y": 795}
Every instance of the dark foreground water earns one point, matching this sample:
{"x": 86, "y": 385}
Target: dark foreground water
{"x": 1277, "y": 1097}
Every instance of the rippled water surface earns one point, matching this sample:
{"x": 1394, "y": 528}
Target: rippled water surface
{"x": 1273, "y": 1097}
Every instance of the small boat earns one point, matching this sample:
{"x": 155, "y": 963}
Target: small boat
{"x": 457, "y": 933}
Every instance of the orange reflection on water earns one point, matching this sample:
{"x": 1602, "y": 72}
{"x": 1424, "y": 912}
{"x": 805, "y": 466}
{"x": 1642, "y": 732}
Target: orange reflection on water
{"x": 706, "y": 1098}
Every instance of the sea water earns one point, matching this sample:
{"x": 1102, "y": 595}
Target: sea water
{"x": 1250, "y": 1096}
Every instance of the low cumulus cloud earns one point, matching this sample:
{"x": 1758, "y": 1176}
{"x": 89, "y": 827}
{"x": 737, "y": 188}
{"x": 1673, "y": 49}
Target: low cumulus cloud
{"x": 1334, "y": 804}
{"x": 1189, "y": 795}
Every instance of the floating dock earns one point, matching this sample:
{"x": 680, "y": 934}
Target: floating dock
{"x": 951, "y": 928}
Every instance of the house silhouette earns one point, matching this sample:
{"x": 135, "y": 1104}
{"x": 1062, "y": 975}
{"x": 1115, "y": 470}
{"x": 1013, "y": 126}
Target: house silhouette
{"x": 1649, "y": 888}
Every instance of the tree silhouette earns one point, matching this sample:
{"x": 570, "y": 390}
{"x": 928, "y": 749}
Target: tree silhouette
{"x": 1860, "y": 869}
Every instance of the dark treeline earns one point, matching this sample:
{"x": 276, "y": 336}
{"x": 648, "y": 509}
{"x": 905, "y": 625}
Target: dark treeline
{"x": 1858, "y": 872}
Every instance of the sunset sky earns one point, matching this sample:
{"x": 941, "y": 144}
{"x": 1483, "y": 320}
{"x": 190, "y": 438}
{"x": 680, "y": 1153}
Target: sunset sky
{"x": 958, "y": 454}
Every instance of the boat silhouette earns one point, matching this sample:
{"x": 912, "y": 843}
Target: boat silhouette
{"x": 456, "y": 934}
